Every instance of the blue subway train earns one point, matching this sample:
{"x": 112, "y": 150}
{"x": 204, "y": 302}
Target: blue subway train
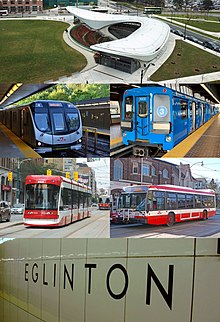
{"x": 159, "y": 116}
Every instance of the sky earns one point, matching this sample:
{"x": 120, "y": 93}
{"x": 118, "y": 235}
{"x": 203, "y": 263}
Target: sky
{"x": 102, "y": 171}
{"x": 209, "y": 170}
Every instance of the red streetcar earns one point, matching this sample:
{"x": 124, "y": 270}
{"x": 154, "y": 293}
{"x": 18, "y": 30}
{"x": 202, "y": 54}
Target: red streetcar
{"x": 55, "y": 201}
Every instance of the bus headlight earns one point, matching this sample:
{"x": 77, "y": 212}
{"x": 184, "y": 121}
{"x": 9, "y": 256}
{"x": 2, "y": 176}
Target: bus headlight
{"x": 168, "y": 138}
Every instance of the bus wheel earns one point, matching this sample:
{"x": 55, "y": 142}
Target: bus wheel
{"x": 204, "y": 215}
{"x": 170, "y": 219}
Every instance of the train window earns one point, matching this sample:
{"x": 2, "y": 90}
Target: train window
{"x": 142, "y": 109}
{"x": 42, "y": 122}
{"x": 58, "y": 121}
{"x": 72, "y": 120}
{"x": 183, "y": 108}
{"x": 128, "y": 108}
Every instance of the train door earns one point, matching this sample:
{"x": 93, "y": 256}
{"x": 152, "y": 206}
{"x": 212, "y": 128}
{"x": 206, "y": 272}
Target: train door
{"x": 142, "y": 124}
{"x": 161, "y": 121}
{"x": 128, "y": 122}
{"x": 180, "y": 124}
{"x": 59, "y": 127}
{"x": 192, "y": 117}
{"x": 198, "y": 115}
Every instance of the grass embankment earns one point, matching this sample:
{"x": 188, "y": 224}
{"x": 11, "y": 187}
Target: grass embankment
{"x": 187, "y": 60}
{"x": 208, "y": 26}
{"x": 34, "y": 51}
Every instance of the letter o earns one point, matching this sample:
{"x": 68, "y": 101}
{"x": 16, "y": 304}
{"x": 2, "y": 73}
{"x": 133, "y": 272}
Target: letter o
{"x": 120, "y": 295}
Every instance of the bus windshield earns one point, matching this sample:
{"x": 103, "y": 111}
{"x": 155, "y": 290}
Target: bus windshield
{"x": 131, "y": 200}
{"x": 41, "y": 196}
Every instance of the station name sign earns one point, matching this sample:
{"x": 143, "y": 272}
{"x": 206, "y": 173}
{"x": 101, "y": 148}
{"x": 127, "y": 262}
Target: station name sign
{"x": 38, "y": 272}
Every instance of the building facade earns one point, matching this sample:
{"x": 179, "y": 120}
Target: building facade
{"x": 22, "y": 6}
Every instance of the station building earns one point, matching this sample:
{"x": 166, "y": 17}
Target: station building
{"x": 22, "y": 6}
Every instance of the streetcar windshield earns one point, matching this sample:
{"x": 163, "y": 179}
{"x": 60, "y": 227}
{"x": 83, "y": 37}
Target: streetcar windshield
{"x": 72, "y": 120}
{"x": 41, "y": 196}
{"x": 131, "y": 200}
{"x": 42, "y": 122}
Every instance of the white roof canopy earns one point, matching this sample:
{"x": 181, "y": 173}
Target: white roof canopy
{"x": 143, "y": 44}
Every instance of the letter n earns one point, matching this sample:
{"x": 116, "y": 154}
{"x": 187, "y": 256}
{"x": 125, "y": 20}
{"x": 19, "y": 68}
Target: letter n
{"x": 168, "y": 296}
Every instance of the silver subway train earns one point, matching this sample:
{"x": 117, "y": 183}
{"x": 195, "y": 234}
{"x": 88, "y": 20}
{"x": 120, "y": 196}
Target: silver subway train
{"x": 45, "y": 125}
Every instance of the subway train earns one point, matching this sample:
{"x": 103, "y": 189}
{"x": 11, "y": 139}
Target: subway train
{"x": 45, "y": 125}
{"x": 162, "y": 117}
{"x": 95, "y": 112}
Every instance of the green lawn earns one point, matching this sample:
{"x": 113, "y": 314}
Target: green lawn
{"x": 34, "y": 51}
{"x": 187, "y": 60}
{"x": 209, "y": 26}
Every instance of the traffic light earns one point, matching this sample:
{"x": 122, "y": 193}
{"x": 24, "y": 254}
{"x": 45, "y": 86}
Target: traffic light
{"x": 68, "y": 175}
{"x": 10, "y": 176}
{"x": 49, "y": 172}
{"x": 76, "y": 176}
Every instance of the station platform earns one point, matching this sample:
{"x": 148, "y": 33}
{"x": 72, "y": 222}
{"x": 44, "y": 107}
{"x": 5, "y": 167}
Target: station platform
{"x": 204, "y": 142}
{"x": 12, "y": 146}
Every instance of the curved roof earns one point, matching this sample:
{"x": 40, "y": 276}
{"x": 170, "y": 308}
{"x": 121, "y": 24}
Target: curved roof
{"x": 143, "y": 44}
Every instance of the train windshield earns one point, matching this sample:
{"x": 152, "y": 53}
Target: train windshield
{"x": 131, "y": 200}
{"x": 58, "y": 119}
{"x": 42, "y": 122}
{"x": 72, "y": 120}
{"x": 41, "y": 196}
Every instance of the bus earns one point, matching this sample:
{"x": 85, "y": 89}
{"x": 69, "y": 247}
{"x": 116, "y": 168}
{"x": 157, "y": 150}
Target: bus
{"x": 104, "y": 202}
{"x": 55, "y": 201}
{"x": 152, "y": 10}
{"x": 3, "y": 12}
{"x": 165, "y": 204}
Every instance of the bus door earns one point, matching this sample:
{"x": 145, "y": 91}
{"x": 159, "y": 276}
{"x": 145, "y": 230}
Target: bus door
{"x": 161, "y": 123}
{"x": 180, "y": 124}
{"x": 142, "y": 104}
{"x": 128, "y": 120}
{"x": 192, "y": 118}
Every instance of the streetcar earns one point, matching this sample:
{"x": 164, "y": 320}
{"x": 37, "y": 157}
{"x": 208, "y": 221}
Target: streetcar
{"x": 156, "y": 116}
{"x": 165, "y": 204}
{"x": 104, "y": 202}
{"x": 46, "y": 125}
{"x": 55, "y": 201}
{"x": 152, "y": 10}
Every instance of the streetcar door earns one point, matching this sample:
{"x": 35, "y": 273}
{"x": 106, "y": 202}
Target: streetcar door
{"x": 143, "y": 116}
{"x": 128, "y": 121}
{"x": 180, "y": 126}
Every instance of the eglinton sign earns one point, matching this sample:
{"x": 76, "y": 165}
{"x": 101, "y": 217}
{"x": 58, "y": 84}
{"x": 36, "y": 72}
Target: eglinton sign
{"x": 38, "y": 273}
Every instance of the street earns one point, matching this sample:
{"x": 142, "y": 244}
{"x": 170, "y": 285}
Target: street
{"x": 197, "y": 228}
{"x": 97, "y": 226}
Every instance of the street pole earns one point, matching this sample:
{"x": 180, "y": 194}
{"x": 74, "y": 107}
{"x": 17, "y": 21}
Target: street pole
{"x": 18, "y": 179}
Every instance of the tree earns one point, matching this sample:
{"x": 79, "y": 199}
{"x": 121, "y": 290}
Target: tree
{"x": 207, "y": 4}
{"x": 178, "y": 3}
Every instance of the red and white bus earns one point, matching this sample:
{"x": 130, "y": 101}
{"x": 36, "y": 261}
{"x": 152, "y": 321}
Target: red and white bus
{"x": 104, "y": 202}
{"x": 165, "y": 204}
{"x": 55, "y": 201}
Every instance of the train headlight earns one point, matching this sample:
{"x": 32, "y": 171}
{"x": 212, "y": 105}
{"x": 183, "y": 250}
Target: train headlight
{"x": 80, "y": 140}
{"x": 124, "y": 134}
{"x": 39, "y": 143}
{"x": 168, "y": 138}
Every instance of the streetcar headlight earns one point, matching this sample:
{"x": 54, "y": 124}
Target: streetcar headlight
{"x": 168, "y": 138}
